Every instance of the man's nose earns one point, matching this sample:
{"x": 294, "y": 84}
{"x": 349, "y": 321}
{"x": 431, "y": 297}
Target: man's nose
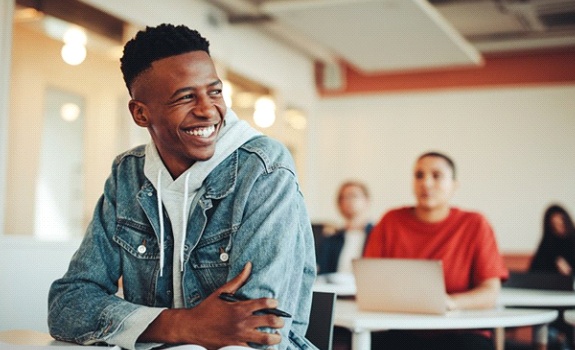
{"x": 204, "y": 108}
{"x": 427, "y": 181}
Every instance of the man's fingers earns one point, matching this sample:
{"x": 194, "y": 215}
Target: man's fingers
{"x": 235, "y": 283}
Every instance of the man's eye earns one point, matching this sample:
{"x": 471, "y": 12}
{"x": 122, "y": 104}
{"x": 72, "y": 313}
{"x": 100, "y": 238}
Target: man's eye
{"x": 186, "y": 97}
{"x": 216, "y": 92}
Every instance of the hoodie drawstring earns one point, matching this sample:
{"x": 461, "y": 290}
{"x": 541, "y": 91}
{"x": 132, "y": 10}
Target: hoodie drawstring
{"x": 184, "y": 221}
{"x": 161, "y": 215}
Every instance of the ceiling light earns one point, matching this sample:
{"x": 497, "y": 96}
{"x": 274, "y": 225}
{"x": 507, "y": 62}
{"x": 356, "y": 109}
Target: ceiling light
{"x": 75, "y": 35}
{"x": 265, "y": 112}
{"x": 74, "y": 49}
{"x": 69, "y": 111}
{"x": 73, "y": 54}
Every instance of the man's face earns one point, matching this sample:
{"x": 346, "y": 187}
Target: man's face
{"x": 179, "y": 99}
{"x": 433, "y": 183}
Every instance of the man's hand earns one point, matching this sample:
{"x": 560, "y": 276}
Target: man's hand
{"x": 482, "y": 296}
{"x": 215, "y": 323}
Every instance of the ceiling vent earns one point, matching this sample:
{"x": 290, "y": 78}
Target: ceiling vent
{"x": 542, "y": 15}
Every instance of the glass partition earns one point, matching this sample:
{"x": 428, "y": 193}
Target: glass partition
{"x": 59, "y": 190}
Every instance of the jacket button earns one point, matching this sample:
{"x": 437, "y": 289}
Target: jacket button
{"x": 224, "y": 257}
{"x": 142, "y": 249}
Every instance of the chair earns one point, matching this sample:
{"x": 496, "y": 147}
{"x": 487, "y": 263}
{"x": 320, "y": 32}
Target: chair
{"x": 320, "y": 328}
{"x": 318, "y": 235}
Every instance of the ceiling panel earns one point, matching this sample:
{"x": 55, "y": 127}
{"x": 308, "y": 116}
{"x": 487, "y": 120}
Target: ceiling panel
{"x": 406, "y": 35}
{"x": 378, "y": 35}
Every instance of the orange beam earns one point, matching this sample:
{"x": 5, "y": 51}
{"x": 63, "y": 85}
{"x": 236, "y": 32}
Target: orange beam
{"x": 525, "y": 68}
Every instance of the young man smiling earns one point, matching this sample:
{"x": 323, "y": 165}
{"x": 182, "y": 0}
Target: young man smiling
{"x": 199, "y": 211}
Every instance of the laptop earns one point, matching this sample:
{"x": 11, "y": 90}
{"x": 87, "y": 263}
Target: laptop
{"x": 400, "y": 285}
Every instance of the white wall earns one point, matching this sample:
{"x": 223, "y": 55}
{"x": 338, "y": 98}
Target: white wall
{"x": 514, "y": 149}
{"x": 28, "y": 269}
{"x": 6, "y": 11}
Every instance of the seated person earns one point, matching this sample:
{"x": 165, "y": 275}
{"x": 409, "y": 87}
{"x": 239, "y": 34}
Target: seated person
{"x": 556, "y": 251}
{"x": 463, "y": 240}
{"x": 199, "y": 211}
{"x": 336, "y": 251}
{"x": 556, "y": 255}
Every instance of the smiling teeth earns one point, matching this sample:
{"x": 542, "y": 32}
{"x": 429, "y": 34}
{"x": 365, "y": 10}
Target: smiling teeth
{"x": 202, "y": 132}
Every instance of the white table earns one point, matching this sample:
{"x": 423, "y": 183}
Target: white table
{"x": 536, "y": 298}
{"x": 570, "y": 317}
{"x": 362, "y": 323}
{"x": 34, "y": 340}
{"x": 342, "y": 284}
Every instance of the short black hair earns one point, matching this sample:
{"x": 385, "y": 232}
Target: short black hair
{"x": 449, "y": 161}
{"x": 155, "y": 43}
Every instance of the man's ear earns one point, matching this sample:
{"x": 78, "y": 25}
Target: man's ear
{"x": 139, "y": 113}
{"x": 455, "y": 187}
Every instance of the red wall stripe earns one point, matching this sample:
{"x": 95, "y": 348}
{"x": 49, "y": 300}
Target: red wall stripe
{"x": 525, "y": 68}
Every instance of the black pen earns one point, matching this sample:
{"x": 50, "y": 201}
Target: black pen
{"x": 233, "y": 298}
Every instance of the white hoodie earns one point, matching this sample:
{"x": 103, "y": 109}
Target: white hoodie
{"x": 179, "y": 194}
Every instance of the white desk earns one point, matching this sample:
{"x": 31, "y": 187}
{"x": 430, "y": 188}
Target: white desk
{"x": 342, "y": 284}
{"x": 508, "y": 296}
{"x": 362, "y": 323}
{"x": 569, "y": 316}
{"x": 536, "y": 298}
{"x": 33, "y": 340}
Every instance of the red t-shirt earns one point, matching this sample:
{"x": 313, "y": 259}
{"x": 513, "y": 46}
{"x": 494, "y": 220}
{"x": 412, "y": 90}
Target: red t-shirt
{"x": 464, "y": 241}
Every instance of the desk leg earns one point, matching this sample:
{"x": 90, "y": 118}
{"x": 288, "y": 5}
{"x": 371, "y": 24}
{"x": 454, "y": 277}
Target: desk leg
{"x": 540, "y": 333}
{"x": 360, "y": 340}
{"x": 499, "y": 338}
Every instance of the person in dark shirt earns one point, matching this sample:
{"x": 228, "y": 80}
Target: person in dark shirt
{"x": 336, "y": 251}
{"x": 556, "y": 251}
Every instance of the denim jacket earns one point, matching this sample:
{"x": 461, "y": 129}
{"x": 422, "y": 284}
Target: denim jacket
{"x": 249, "y": 207}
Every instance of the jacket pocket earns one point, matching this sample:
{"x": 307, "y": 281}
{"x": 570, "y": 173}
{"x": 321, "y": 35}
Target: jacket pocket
{"x": 138, "y": 240}
{"x": 213, "y": 250}
{"x": 141, "y": 263}
{"x": 211, "y": 259}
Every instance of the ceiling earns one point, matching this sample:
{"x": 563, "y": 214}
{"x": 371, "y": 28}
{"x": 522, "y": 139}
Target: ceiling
{"x": 406, "y": 35}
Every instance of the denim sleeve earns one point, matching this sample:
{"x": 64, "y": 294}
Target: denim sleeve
{"x": 275, "y": 235}
{"x": 82, "y": 305}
